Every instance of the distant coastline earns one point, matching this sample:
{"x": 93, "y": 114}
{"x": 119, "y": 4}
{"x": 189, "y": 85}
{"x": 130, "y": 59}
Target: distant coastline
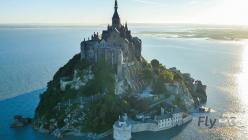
{"x": 130, "y": 24}
{"x": 216, "y": 32}
{"x": 227, "y": 34}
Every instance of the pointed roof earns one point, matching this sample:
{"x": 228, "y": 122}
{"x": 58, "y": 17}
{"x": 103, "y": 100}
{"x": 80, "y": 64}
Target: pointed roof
{"x": 116, "y": 4}
{"x": 116, "y": 19}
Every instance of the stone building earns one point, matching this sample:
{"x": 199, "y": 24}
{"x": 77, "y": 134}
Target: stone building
{"x": 116, "y": 45}
{"x": 122, "y": 128}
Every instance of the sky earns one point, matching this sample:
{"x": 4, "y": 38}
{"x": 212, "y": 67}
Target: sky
{"x": 88, "y": 12}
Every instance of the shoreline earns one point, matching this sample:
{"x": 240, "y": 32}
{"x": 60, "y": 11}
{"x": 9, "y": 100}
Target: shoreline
{"x": 91, "y": 135}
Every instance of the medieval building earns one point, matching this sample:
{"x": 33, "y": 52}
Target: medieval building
{"x": 116, "y": 45}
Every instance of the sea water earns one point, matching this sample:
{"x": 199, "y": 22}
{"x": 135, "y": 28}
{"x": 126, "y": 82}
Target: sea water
{"x": 29, "y": 57}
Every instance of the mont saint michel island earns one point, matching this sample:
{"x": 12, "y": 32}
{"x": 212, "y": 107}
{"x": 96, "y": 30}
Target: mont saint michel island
{"x": 123, "y": 70}
{"x": 109, "y": 88}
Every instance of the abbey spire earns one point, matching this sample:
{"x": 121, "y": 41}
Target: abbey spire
{"x": 116, "y": 5}
{"x": 116, "y": 22}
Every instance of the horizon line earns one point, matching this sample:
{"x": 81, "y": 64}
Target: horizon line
{"x": 103, "y": 24}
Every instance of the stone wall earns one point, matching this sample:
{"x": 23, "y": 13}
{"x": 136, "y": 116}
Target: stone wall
{"x": 140, "y": 127}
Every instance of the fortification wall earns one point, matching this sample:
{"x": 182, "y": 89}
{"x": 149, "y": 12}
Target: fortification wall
{"x": 140, "y": 127}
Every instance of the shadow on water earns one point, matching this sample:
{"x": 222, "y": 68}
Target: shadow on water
{"x": 21, "y": 105}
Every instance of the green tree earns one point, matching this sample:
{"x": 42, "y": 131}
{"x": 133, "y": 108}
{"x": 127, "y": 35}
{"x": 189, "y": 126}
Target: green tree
{"x": 155, "y": 63}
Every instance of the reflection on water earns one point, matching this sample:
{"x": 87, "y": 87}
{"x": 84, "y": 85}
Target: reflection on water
{"x": 242, "y": 78}
{"x": 242, "y": 89}
{"x": 221, "y": 65}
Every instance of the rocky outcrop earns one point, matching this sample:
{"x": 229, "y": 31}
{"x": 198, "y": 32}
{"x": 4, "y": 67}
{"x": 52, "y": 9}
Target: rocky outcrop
{"x": 71, "y": 103}
{"x": 20, "y": 121}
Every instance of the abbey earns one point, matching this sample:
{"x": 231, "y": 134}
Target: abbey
{"x": 116, "y": 45}
{"x": 83, "y": 95}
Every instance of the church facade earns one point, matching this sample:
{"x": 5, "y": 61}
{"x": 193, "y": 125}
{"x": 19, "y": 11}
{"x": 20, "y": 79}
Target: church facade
{"x": 115, "y": 45}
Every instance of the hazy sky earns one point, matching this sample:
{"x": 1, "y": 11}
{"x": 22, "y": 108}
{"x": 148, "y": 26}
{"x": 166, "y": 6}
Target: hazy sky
{"x": 233, "y": 12}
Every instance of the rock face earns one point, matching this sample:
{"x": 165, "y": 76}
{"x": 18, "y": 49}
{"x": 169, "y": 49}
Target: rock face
{"x": 20, "y": 121}
{"x": 108, "y": 77}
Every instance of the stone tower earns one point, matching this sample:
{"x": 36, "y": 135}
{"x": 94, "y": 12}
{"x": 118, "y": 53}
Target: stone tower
{"x": 122, "y": 128}
{"x": 116, "y": 22}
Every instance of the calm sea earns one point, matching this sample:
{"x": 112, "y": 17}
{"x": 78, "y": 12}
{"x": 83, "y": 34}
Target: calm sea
{"x": 29, "y": 57}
